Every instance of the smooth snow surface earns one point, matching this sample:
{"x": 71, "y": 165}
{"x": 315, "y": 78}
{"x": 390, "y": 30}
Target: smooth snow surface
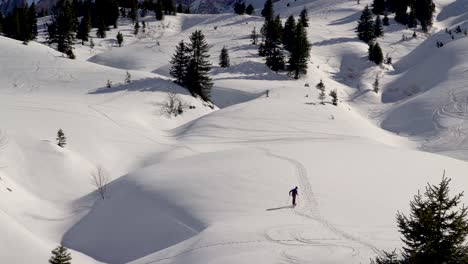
{"x": 211, "y": 185}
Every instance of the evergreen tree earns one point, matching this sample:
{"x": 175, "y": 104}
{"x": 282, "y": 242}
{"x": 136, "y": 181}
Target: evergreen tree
{"x": 401, "y": 8}
{"x": 436, "y": 229}
{"x": 321, "y": 87}
{"x": 378, "y": 7}
{"x": 250, "y": 10}
{"x": 378, "y": 28}
{"x": 377, "y": 54}
{"x": 370, "y": 51}
{"x": 179, "y": 63}
{"x": 239, "y": 7}
{"x": 169, "y": 7}
{"x": 136, "y": 28}
{"x": 267, "y": 11}
{"x": 61, "y": 139}
{"x": 187, "y": 10}
{"x": 385, "y": 20}
{"x": 33, "y": 20}
{"x": 2, "y": 22}
{"x": 197, "y": 79}
{"x": 299, "y": 52}
{"x": 271, "y": 31}
{"x": 289, "y": 32}
{"x": 60, "y": 255}
{"x": 304, "y": 18}
{"x": 132, "y": 13}
{"x": 365, "y": 28}
{"x": 158, "y": 11}
{"x": 334, "y": 95}
{"x": 83, "y": 28}
{"x": 376, "y": 84}
{"x": 101, "y": 30}
{"x": 411, "y": 20}
{"x": 180, "y": 8}
{"x": 61, "y": 27}
{"x": 424, "y": 12}
{"x": 275, "y": 59}
{"x": 224, "y": 61}
{"x": 120, "y": 39}
{"x": 254, "y": 36}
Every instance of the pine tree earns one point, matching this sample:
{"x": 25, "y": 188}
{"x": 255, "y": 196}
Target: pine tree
{"x": 197, "y": 79}
{"x": 365, "y": 28}
{"x": 180, "y": 8}
{"x": 120, "y": 38}
{"x": 378, "y": 28}
{"x": 239, "y": 7}
{"x": 169, "y": 7}
{"x": 61, "y": 27}
{"x": 289, "y": 32}
{"x": 136, "y": 28}
{"x": 83, "y": 28}
{"x": 179, "y": 62}
{"x": 378, "y": 7}
{"x": 224, "y": 61}
{"x": 370, "y": 51}
{"x": 254, "y": 36}
{"x": 304, "y": 18}
{"x": 411, "y": 20}
{"x": 267, "y": 11}
{"x": 128, "y": 77}
{"x": 436, "y": 229}
{"x": 321, "y": 87}
{"x": 401, "y": 8}
{"x": 275, "y": 59}
{"x": 385, "y": 20}
{"x": 272, "y": 31}
{"x": 250, "y": 10}
{"x": 61, "y": 139}
{"x": 300, "y": 52}
{"x": 377, "y": 54}
{"x": 334, "y": 95}
{"x": 376, "y": 84}
{"x": 32, "y": 20}
{"x": 60, "y": 255}
{"x": 101, "y": 30}
{"x": 158, "y": 11}
{"x": 424, "y": 12}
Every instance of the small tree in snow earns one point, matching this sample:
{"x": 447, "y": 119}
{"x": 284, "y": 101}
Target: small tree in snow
{"x": 99, "y": 180}
{"x": 128, "y": 78}
{"x": 136, "y": 28}
{"x": 173, "y": 106}
{"x": 224, "y": 61}
{"x": 321, "y": 87}
{"x": 60, "y": 255}
{"x": 376, "y": 84}
{"x": 334, "y": 95}
{"x": 120, "y": 38}
{"x": 254, "y": 36}
{"x": 61, "y": 139}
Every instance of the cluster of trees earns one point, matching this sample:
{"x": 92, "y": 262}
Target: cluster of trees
{"x": 321, "y": 96}
{"x": 240, "y": 8}
{"x": 435, "y": 231}
{"x": 407, "y": 12}
{"x": 292, "y": 38}
{"x": 190, "y": 66}
{"x": 20, "y": 23}
{"x": 368, "y": 30}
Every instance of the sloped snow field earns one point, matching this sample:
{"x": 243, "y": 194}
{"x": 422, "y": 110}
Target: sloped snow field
{"x": 211, "y": 185}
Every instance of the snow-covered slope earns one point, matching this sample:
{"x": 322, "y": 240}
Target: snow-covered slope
{"x": 211, "y": 185}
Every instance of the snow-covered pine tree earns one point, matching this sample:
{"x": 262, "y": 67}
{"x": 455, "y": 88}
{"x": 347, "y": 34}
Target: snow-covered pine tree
{"x": 197, "y": 79}
{"x": 304, "y": 18}
{"x": 179, "y": 62}
{"x": 61, "y": 139}
{"x": 120, "y": 38}
{"x": 321, "y": 87}
{"x": 224, "y": 61}
{"x": 378, "y": 28}
{"x": 60, "y": 255}
{"x": 289, "y": 32}
{"x": 365, "y": 28}
{"x": 300, "y": 52}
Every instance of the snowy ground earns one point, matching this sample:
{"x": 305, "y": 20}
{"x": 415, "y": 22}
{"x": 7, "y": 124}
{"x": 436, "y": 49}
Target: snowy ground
{"x": 211, "y": 185}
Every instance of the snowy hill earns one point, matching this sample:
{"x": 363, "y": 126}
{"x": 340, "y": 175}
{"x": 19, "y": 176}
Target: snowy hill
{"x": 211, "y": 185}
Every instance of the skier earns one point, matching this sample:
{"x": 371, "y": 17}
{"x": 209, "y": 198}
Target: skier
{"x": 294, "y": 193}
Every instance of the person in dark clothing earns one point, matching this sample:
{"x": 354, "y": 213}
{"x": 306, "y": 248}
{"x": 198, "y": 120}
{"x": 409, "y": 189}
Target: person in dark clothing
{"x": 294, "y": 193}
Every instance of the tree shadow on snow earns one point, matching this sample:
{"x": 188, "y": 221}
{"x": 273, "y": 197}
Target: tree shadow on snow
{"x": 141, "y": 85}
{"x": 249, "y": 70}
{"x": 346, "y": 20}
{"x": 279, "y": 208}
{"x": 334, "y": 41}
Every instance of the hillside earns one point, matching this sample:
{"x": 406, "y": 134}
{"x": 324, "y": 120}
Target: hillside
{"x": 211, "y": 185}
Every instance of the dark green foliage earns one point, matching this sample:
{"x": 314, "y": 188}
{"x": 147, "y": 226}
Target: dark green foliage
{"x": 60, "y": 255}
{"x": 101, "y": 30}
{"x": 250, "y": 10}
{"x": 197, "y": 79}
{"x": 224, "y": 60}
{"x": 375, "y": 85}
{"x": 158, "y": 10}
{"x": 436, "y": 228}
{"x": 70, "y": 54}
{"x": 107, "y": 12}
{"x": 289, "y": 32}
{"x": 365, "y": 28}
{"x": 83, "y": 28}
{"x": 387, "y": 258}
{"x": 169, "y": 7}
{"x": 136, "y": 27}
{"x": 32, "y": 17}
{"x": 375, "y": 53}
{"x": 275, "y": 59}
{"x": 267, "y": 11}
{"x": 304, "y": 18}
{"x": 424, "y": 12}
{"x": 272, "y": 31}
{"x": 378, "y": 7}
{"x": 180, "y": 8}
{"x": 401, "y": 7}
{"x": 254, "y": 36}
{"x": 385, "y": 20}
{"x": 411, "y": 21}
{"x": 300, "y": 52}
{"x": 20, "y": 24}
{"x": 239, "y": 7}
{"x": 378, "y": 28}
{"x": 61, "y": 139}
{"x": 61, "y": 28}
{"x": 179, "y": 62}
{"x": 321, "y": 87}
{"x": 334, "y": 95}
{"x": 120, "y": 39}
